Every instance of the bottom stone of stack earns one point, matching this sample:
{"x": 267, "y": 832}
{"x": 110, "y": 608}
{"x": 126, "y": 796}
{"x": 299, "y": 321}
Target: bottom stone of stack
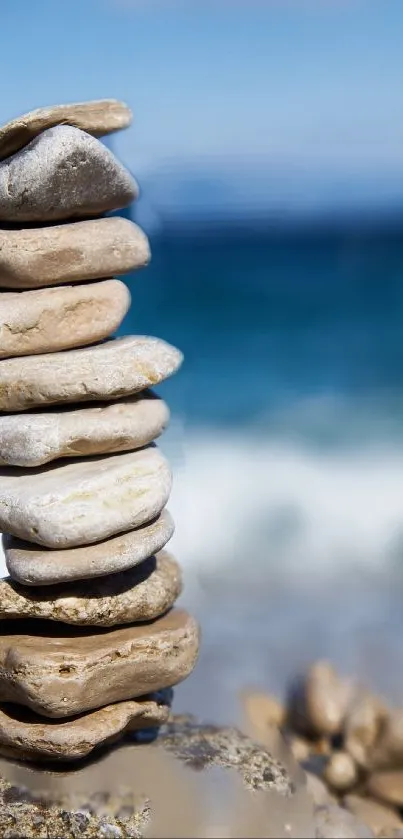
{"x": 60, "y": 671}
{"x": 26, "y": 736}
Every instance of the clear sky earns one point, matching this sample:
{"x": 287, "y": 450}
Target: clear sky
{"x": 311, "y": 81}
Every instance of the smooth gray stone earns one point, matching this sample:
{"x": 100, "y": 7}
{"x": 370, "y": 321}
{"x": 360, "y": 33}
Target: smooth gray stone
{"x": 63, "y": 173}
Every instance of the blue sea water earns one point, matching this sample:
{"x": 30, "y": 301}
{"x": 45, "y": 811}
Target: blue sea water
{"x": 286, "y": 442}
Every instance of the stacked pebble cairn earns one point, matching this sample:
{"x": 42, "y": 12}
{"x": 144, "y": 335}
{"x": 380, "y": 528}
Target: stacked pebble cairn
{"x": 348, "y": 741}
{"x": 90, "y": 642}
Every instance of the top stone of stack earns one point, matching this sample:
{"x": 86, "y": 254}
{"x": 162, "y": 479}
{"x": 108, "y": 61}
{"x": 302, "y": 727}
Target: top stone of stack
{"x": 58, "y": 170}
{"x": 98, "y": 118}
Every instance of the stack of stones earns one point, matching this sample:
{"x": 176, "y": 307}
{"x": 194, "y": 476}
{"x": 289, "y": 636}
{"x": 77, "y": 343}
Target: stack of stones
{"x": 90, "y": 643}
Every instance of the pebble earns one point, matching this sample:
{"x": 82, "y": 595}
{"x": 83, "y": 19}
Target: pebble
{"x": 262, "y": 710}
{"x": 63, "y": 173}
{"x": 362, "y": 726}
{"x": 142, "y": 593}
{"x": 98, "y": 117}
{"x": 340, "y": 772}
{"x": 388, "y": 749}
{"x": 375, "y": 815}
{"x": 333, "y": 822}
{"x": 387, "y": 786}
{"x": 69, "y": 253}
{"x": 26, "y": 736}
{"x": 84, "y": 501}
{"x": 33, "y": 566}
{"x": 317, "y": 703}
{"x": 60, "y": 671}
{"x": 60, "y": 318}
{"x": 119, "y": 367}
{"x": 33, "y": 439}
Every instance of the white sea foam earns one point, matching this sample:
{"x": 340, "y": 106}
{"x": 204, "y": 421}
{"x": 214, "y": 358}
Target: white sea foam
{"x": 273, "y": 506}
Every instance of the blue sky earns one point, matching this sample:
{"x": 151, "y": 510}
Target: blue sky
{"x": 253, "y": 82}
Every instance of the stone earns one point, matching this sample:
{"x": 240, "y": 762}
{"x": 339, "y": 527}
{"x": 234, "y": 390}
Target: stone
{"x": 333, "y": 822}
{"x": 387, "y": 786}
{"x": 26, "y": 736}
{"x": 119, "y": 367}
{"x": 60, "y": 671}
{"x": 387, "y": 750}
{"x": 375, "y": 815}
{"x": 93, "y": 799}
{"x": 142, "y": 593}
{"x": 86, "y": 500}
{"x": 32, "y": 566}
{"x": 60, "y": 318}
{"x": 262, "y": 710}
{"x": 340, "y": 772}
{"x": 363, "y": 722}
{"x": 98, "y": 118}
{"x": 317, "y": 703}
{"x": 61, "y": 174}
{"x": 69, "y": 253}
{"x": 33, "y": 439}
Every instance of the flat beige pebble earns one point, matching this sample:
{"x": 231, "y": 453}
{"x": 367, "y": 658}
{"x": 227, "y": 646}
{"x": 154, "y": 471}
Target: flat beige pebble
{"x": 59, "y": 671}
{"x": 142, "y": 593}
{"x": 33, "y": 439}
{"x": 340, "y": 772}
{"x": 71, "y": 253}
{"x": 98, "y": 117}
{"x": 53, "y": 319}
{"x": 117, "y": 368}
{"x": 63, "y": 173}
{"x": 376, "y": 816}
{"x": 84, "y": 501}
{"x": 26, "y": 736}
{"x": 387, "y": 786}
{"x": 34, "y": 566}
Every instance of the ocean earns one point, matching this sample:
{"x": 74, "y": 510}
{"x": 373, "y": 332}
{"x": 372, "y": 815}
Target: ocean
{"x": 286, "y": 442}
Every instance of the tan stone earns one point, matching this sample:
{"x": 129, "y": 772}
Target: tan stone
{"x": 318, "y": 702}
{"x": 340, "y": 772}
{"x": 98, "y": 117}
{"x": 60, "y": 671}
{"x": 363, "y": 723}
{"x": 387, "y": 751}
{"x": 117, "y": 368}
{"x": 26, "y": 736}
{"x": 84, "y": 501}
{"x": 32, "y": 439}
{"x": 54, "y": 319}
{"x": 63, "y": 173}
{"x": 70, "y": 253}
{"x": 387, "y": 786}
{"x": 33, "y": 566}
{"x": 142, "y": 593}
{"x": 376, "y": 816}
{"x": 261, "y": 709}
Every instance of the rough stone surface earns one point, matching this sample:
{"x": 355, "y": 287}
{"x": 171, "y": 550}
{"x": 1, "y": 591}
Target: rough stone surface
{"x": 60, "y": 318}
{"x": 33, "y": 439}
{"x": 26, "y": 736}
{"x": 59, "y": 671}
{"x": 63, "y": 173}
{"x": 375, "y": 815}
{"x": 70, "y": 253}
{"x": 98, "y": 117}
{"x": 33, "y": 566}
{"x": 137, "y": 779}
{"x": 119, "y": 367}
{"x": 142, "y": 593}
{"x": 84, "y": 501}
{"x": 333, "y": 822}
